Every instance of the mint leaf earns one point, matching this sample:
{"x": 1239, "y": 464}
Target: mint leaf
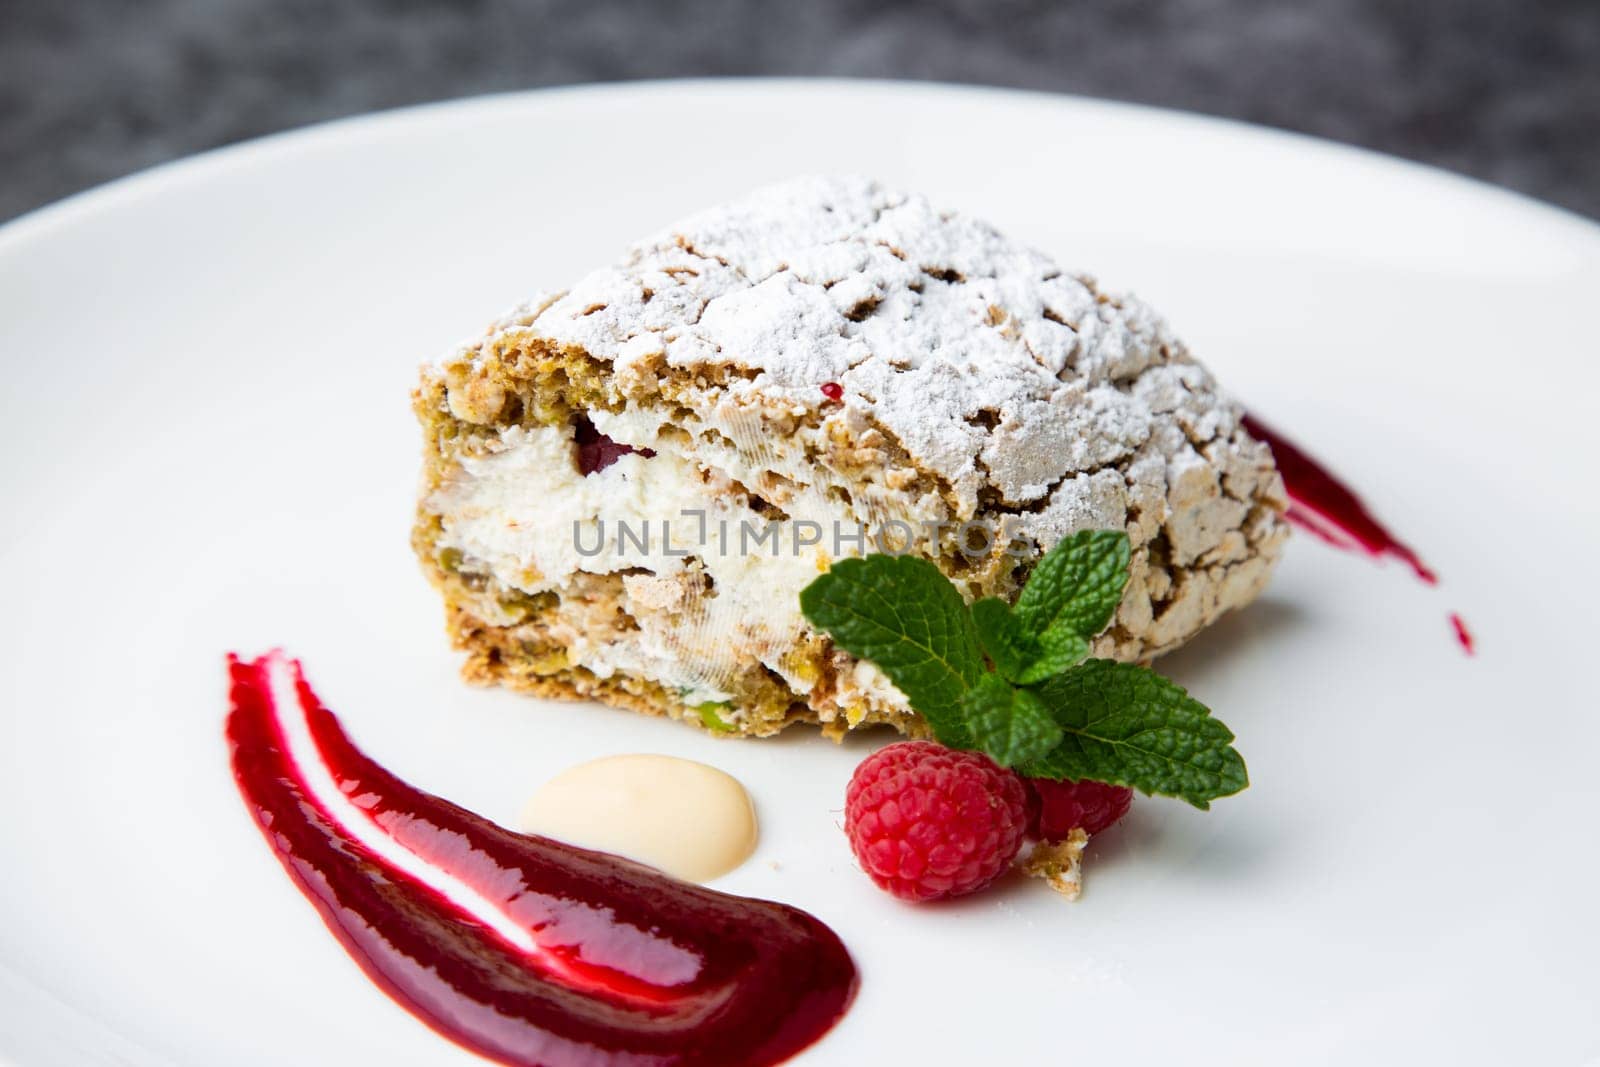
{"x": 1127, "y": 725}
{"x": 1024, "y": 657}
{"x": 1009, "y": 724}
{"x": 901, "y": 613}
{"x": 1059, "y": 649}
{"x": 1003, "y": 638}
{"x": 1077, "y": 586}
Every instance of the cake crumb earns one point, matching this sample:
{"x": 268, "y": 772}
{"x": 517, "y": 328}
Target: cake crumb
{"x": 1059, "y": 863}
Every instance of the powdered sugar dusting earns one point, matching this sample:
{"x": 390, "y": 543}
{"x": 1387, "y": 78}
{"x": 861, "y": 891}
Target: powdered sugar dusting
{"x": 988, "y": 363}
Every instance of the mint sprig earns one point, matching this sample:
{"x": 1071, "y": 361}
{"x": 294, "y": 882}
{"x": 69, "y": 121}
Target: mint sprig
{"x": 1012, "y": 681}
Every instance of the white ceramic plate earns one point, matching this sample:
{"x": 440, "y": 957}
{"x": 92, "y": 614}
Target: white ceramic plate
{"x": 208, "y": 446}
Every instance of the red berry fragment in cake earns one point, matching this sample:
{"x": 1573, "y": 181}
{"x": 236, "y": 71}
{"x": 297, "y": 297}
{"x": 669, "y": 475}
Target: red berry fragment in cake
{"x": 1058, "y": 808}
{"x": 928, "y": 822}
{"x": 596, "y": 451}
{"x": 833, "y": 390}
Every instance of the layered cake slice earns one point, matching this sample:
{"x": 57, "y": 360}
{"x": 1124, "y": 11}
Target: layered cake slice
{"x": 627, "y": 484}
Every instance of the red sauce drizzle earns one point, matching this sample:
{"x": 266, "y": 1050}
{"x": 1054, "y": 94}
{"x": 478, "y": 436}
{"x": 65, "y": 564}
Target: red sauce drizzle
{"x": 627, "y": 965}
{"x": 1329, "y": 509}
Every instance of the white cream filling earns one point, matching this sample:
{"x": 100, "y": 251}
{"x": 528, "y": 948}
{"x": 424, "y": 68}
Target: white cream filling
{"x": 528, "y": 515}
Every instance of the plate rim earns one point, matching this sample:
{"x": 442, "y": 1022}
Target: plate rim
{"x": 83, "y": 204}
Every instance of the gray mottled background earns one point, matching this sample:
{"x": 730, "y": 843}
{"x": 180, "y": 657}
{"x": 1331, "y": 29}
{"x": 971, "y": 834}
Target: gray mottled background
{"x": 1507, "y": 90}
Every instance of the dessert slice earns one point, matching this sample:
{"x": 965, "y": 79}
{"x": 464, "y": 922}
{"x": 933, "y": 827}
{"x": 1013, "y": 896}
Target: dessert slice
{"x": 626, "y": 485}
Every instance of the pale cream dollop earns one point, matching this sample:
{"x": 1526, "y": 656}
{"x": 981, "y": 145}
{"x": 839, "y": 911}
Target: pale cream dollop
{"x": 688, "y": 819}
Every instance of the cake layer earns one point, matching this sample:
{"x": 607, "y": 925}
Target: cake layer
{"x": 627, "y": 484}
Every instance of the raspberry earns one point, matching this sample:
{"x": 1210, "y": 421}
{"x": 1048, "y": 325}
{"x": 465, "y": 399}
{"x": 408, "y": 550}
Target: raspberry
{"x": 1058, "y": 808}
{"x": 927, "y": 822}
